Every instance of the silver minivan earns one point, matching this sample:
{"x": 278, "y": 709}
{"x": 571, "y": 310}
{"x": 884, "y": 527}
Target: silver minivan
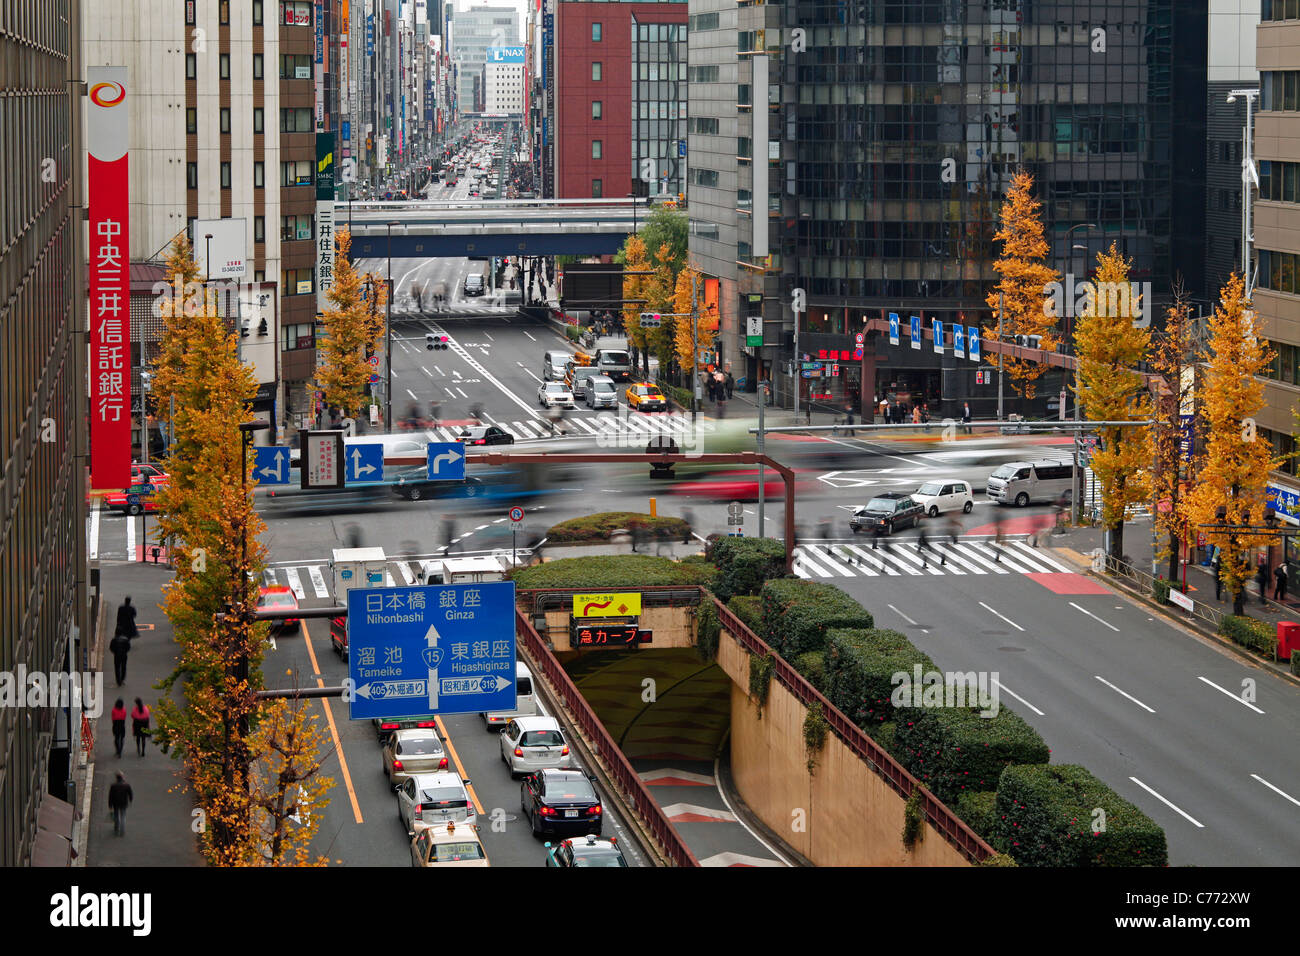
{"x": 555, "y": 365}
{"x": 1020, "y": 482}
{"x": 599, "y": 392}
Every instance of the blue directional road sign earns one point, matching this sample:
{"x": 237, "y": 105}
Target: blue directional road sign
{"x": 916, "y": 331}
{"x": 936, "y": 333}
{"x": 363, "y": 463}
{"x": 271, "y": 465}
{"x": 432, "y": 649}
{"x": 893, "y": 328}
{"x": 973, "y": 338}
{"x": 446, "y": 461}
{"x": 958, "y": 340}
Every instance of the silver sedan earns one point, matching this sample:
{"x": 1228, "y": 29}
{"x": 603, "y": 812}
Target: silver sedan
{"x": 555, "y": 394}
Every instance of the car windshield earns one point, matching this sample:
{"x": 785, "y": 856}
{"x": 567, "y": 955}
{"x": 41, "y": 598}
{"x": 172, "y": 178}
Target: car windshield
{"x": 575, "y": 789}
{"x": 882, "y": 504}
{"x": 541, "y": 738}
{"x": 278, "y": 599}
{"x": 454, "y": 852}
{"x": 443, "y": 797}
{"x": 929, "y": 488}
{"x": 599, "y": 857}
{"x": 613, "y": 358}
{"x": 555, "y": 388}
{"x": 418, "y": 747}
{"x": 1004, "y": 471}
{"x": 603, "y": 386}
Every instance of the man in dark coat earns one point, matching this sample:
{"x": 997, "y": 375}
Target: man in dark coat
{"x": 119, "y": 647}
{"x": 126, "y": 619}
{"x": 1279, "y": 590}
{"x": 119, "y": 798}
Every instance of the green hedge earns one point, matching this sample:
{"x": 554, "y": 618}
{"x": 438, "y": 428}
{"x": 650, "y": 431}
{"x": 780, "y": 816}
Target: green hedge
{"x": 954, "y": 749}
{"x": 860, "y": 666}
{"x": 575, "y": 332}
{"x": 708, "y": 630}
{"x": 886, "y": 735}
{"x": 745, "y": 563}
{"x": 1045, "y": 814}
{"x": 811, "y": 665}
{"x": 1160, "y": 590}
{"x": 798, "y": 613}
{"x": 978, "y": 808}
{"x": 599, "y": 526}
{"x": 749, "y": 608}
{"x": 682, "y": 396}
{"x": 611, "y": 571}
{"x": 1249, "y": 632}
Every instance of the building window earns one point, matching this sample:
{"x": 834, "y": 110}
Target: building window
{"x": 295, "y": 66}
{"x": 259, "y": 175}
{"x": 595, "y": 149}
{"x": 223, "y": 13}
{"x": 223, "y": 64}
{"x": 597, "y": 191}
{"x": 191, "y": 66}
{"x": 297, "y": 173}
{"x": 225, "y": 119}
{"x": 257, "y": 13}
{"x": 259, "y": 227}
{"x": 293, "y": 228}
{"x": 296, "y": 121}
{"x": 596, "y": 31}
{"x": 259, "y": 275}
{"x": 191, "y": 175}
{"x": 225, "y": 175}
{"x": 595, "y": 109}
{"x": 258, "y": 115}
{"x": 298, "y": 282}
{"x": 595, "y": 70}
{"x": 301, "y": 336}
{"x": 297, "y": 13}
{"x": 191, "y": 119}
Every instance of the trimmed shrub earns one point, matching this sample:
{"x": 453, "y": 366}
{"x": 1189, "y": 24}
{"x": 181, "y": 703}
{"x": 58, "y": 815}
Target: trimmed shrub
{"x": 749, "y": 608}
{"x": 1045, "y": 814}
{"x": 811, "y": 665}
{"x": 954, "y": 749}
{"x": 884, "y": 734}
{"x": 745, "y": 563}
{"x": 998, "y": 859}
{"x": 1160, "y": 590}
{"x": 598, "y": 527}
{"x": 1295, "y": 663}
{"x": 978, "y": 808}
{"x": 860, "y": 666}
{"x": 1249, "y": 632}
{"x": 574, "y": 332}
{"x": 680, "y": 396}
{"x": 798, "y": 613}
{"x": 597, "y": 572}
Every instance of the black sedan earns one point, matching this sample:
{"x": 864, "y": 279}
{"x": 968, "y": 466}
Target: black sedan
{"x": 414, "y": 485}
{"x": 485, "y": 435}
{"x": 886, "y": 513}
{"x": 561, "y": 801}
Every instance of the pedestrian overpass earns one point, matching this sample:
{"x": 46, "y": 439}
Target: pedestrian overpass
{"x": 479, "y": 228}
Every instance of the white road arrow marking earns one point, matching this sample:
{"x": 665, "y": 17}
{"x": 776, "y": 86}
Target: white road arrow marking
{"x": 451, "y": 457}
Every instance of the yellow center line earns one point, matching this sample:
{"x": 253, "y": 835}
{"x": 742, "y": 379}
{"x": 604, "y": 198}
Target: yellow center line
{"x": 460, "y": 768}
{"x": 334, "y": 731}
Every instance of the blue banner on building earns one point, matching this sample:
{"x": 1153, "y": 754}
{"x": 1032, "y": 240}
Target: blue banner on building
{"x": 370, "y": 34}
{"x": 1285, "y": 502}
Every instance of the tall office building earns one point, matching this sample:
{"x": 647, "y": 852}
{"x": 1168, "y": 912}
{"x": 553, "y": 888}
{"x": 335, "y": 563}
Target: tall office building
{"x": 473, "y": 32}
{"x": 503, "y": 80}
{"x": 875, "y": 141}
{"x": 43, "y": 411}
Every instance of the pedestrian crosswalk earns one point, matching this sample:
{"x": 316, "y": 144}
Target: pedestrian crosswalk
{"x": 966, "y": 556}
{"x": 605, "y": 424}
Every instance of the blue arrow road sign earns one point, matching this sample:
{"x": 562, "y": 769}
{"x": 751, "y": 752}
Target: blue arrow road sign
{"x": 958, "y": 340}
{"x": 916, "y": 331}
{"x": 363, "y": 463}
{"x": 936, "y": 333}
{"x": 432, "y": 649}
{"x": 973, "y": 338}
{"x": 893, "y": 328}
{"x": 447, "y": 460}
{"x": 271, "y": 465}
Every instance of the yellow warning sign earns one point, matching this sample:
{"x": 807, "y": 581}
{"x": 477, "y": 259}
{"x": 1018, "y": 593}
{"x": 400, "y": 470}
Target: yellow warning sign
{"x": 607, "y": 605}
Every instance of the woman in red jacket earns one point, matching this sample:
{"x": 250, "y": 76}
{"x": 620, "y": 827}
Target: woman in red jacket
{"x": 140, "y": 724}
{"x": 118, "y": 715}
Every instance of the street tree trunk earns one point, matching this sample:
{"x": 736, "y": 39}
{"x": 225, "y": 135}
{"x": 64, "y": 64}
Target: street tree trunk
{"x": 1173, "y": 556}
{"x": 1117, "y": 539}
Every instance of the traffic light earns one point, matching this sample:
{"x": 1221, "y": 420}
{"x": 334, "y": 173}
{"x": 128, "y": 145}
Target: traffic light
{"x": 432, "y": 341}
{"x": 651, "y": 320}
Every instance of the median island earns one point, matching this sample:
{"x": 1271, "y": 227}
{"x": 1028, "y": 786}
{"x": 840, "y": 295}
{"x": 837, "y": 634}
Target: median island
{"x": 591, "y": 529}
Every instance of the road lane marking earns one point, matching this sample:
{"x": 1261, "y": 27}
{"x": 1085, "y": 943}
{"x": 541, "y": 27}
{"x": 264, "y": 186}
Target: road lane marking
{"x": 462, "y": 393}
{"x": 530, "y": 336}
{"x": 864, "y": 554}
{"x": 1224, "y": 690}
{"x": 1275, "y": 789}
{"x": 489, "y": 335}
{"x": 295, "y": 583}
{"x": 1167, "y": 803}
{"x": 1005, "y": 689}
{"x": 1094, "y": 617}
{"x": 460, "y": 767}
{"x": 1037, "y": 555}
{"x": 976, "y": 557}
{"x": 318, "y": 581}
{"x": 334, "y": 731}
{"x": 739, "y": 819}
{"x": 924, "y": 630}
{"x": 426, "y": 371}
{"x": 440, "y": 371}
{"x": 1122, "y": 693}
{"x": 476, "y": 366}
{"x": 414, "y": 397}
{"x": 449, "y": 391}
{"x": 1003, "y": 616}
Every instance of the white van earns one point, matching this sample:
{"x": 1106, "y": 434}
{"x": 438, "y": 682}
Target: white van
{"x": 525, "y": 700}
{"x": 1020, "y": 482}
{"x": 555, "y": 365}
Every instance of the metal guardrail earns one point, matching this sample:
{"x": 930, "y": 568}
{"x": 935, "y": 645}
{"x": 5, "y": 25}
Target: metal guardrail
{"x": 1145, "y": 584}
{"x": 950, "y": 826}
{"x": 626, "y": 778}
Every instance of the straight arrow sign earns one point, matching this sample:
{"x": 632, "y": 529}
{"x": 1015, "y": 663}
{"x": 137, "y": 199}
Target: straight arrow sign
{"x": 432, "y": 658}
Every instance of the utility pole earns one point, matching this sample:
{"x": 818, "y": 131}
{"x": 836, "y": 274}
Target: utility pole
{"x": 763, "y": 390}
{"x": 797, "y": 305}
{"x": 695, "y": 355}
{"x": 1001, "y": 355}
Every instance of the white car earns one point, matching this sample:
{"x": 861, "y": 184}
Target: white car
{"x": 950, "y": 494}
{"x": 534, "y": 743}
{"x": 551, "y": 394}
{"x": 433, "y": 799}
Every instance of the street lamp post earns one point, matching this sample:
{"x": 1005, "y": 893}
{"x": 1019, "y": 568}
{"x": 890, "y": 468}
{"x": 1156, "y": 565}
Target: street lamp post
{"x": 1248, "y": 175}
{"x": 1077, "y": 491}
{"x": 388, "y": 337}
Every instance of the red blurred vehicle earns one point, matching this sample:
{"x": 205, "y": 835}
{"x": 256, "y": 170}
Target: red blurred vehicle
{"x": 734, "y": 485}
{"x": 139, "y": 497}
{"x": 279, "y": 598}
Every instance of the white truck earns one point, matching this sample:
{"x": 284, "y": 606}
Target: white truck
{"x": 463, "y": 570}
{"x": 353, "y": 568}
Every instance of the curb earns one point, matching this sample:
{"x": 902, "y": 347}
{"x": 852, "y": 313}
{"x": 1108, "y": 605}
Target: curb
{"x": 95, "y": 661}
{"x": 738, "y": 806}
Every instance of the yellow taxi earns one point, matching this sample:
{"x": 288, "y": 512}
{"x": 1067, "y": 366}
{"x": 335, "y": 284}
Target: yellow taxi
{"x": 646, "y": 397}
{"x": 448, "y": 845}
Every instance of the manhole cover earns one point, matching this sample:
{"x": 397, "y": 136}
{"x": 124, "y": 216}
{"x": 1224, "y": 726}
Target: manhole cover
{"x": 1008, "y": 647}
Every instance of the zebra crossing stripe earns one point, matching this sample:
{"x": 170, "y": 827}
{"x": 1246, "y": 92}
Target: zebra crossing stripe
{"x": 973, "y": 555}
{"x": 514, "y": 430}
{"x": 848, "y": 559}
{"x": 580, "y": 423}
{"x": 1010, "y": 558}
{"x": 949, "y": 561}
{"x": 318, "y": 581}
{"x": 905, "y": 552}
{"x": 295, "y": 583}
{"x": 960, "y": 560}
{"x": 1043, "y": 558}
{"x": 867, "y": 555}
{"x": 830, "y": 559}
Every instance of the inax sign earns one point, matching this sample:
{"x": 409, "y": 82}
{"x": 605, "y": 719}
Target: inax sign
{"x": 505, "y": 54}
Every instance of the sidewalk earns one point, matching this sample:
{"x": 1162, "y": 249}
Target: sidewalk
{"x": 158, "y": 821}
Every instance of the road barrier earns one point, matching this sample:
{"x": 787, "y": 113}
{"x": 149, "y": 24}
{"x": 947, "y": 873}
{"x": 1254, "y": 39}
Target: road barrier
{"x": 1144, "y": 584}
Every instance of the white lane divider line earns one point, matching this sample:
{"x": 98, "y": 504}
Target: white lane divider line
{"x": 1123, "y": 694}
{"x": 1275, "y": 789}
{"x": 924, "y": 630}
{"x": 478, "y": 367}
{"x": 1003, "y": 616}
{"x": 1224, "y": 690}
{"x": 1005, "y": 689}
{"x": 414, "y": 397}
{"x": 530, "y": 336}
{"x": 1094, "y": 617}
{"x": 1172, "y": 806}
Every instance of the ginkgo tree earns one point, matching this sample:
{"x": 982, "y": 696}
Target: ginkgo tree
{"x": 688, "y": 340}
{"x": 651, "y": 292}
{"x": 352, "y": 330}
{"x": 1172, "y": 361}
{"x": 1109, "y": 347}
{"x": 1231, "y": 482}
{"x": 1021, "y": 290}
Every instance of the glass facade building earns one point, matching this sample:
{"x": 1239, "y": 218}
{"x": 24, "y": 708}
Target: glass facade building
{"x": 659, "y": 105}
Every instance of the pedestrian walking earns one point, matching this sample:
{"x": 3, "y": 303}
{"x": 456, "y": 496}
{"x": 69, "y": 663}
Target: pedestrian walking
{"x": 925, "y": 417}
{"x": 923, "y": 544}
{"x": 140, "y": 724}
{"x": 1280, "y": 576}
{"x": 712, "y": 387}
{"x": 119, "y": 647}
{"x": 448, "y": 532}
{"x": 118, "y": 716}
{"x": 126, "y": 619}
{"x": 916, "y": 414}
{"x": 119, "y": 798}
{"x": 1215, "y": 564}
{"x": 997, "y": 532}
{"x": 731, "y": 385}
{"x": 1261, "y": 578}
{"x": 884, "y": 410}
{"x": 965, "y": 416}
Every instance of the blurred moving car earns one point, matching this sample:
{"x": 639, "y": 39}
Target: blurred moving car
{"x": 280, "y": 598}
{"x": 887, "y": 512}
{"x": 534, "y": 743}
{"x": 561, "y": 801}
{"x": 139, "y": 497}
{"x": 433, "y": 799}
{"x": 415, "y": 484}
{"x": 448, "y": 845}
{"x": 485, "y": 435}
{"x": 949, "y": 494}
{"x": 410, "y": 752}
{"x": 590, "y": 851}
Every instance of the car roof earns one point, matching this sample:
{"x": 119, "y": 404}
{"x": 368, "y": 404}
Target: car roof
{"x": 892, "y": 494}
{"x": 553, "y": 773}
{"x": 537, "y": 722}
{"x": 417, "y": 733}
{"x": 443, "y": 778}
{"x": 474, "y": 429}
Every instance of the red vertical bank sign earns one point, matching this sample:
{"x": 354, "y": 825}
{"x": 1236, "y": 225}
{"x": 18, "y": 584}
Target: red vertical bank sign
{"x": 110, "y": 287}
